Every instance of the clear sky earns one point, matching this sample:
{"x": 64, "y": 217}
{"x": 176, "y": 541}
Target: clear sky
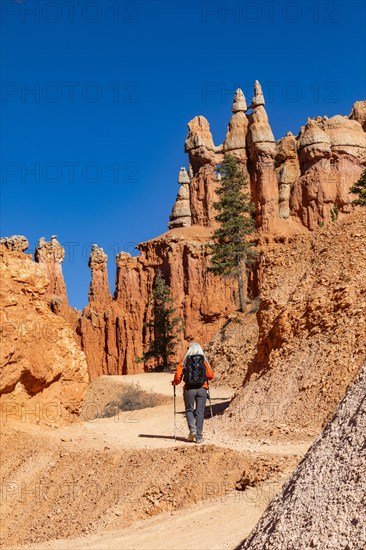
{"x": 96, "y": 96}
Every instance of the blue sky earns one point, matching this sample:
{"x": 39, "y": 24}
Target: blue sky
{"x": 96, "y": 96}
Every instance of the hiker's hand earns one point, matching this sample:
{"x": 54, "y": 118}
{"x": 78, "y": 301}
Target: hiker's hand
{"x": 173, "y": 383}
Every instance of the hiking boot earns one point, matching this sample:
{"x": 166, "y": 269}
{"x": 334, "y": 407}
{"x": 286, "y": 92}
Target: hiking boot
{"x": 199, "y": 439}
{"x": 192, "y": 436}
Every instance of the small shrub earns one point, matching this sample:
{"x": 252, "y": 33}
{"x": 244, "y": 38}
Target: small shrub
{"x": 132, "y": 398}
{"x": 334, "y": 213}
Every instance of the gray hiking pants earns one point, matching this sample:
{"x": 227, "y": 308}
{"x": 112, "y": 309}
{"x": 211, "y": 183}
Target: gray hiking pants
{"x": 192, "y": 397}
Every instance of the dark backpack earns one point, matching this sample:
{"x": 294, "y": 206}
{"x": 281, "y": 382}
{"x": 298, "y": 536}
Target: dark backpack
{"x": 195, "y": 371}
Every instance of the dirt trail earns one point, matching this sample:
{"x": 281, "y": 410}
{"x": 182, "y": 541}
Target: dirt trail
{"x": 154, "y": 427}
{"x": 216, "y": 525}
{"x": 172, "y": 509}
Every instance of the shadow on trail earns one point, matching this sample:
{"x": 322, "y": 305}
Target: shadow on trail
{"x": 217, "y": 408}
{"x": 153, "y": 436}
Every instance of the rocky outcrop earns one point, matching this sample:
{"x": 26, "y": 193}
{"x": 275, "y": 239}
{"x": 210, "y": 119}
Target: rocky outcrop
{"x": 16, "y": 243}
{"x": 262, "y": 153}
{"x": 297, "y": 183}
{"x": 96, "y": 327}
{"x": 329, "y": 513}
{"x": 359, "y": 113}
{"x": 114, "y": 336}
{"x": 305, "y": 179}
{"x": 51, "y": 255}
{"x": 43, "y": 371}
{"x": 202, "y": 158}
{"x": 181, "y": 213}
{"x": 235, "y": 141}
{"x": 99, "y": 287}
{"x": 288, "y": 172}
{"x": 312, "y": 338}
{"x": 332, "y": 153}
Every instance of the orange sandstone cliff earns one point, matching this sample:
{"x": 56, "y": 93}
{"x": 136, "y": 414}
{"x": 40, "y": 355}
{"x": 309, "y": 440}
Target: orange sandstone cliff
{"x": 44, "y": 373}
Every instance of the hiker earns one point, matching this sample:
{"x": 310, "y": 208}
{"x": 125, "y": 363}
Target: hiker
{"x": 195, "y": 371}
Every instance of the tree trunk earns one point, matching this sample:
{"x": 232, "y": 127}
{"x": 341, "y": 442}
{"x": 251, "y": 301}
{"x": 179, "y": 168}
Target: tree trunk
{"x": 242, "y": 297}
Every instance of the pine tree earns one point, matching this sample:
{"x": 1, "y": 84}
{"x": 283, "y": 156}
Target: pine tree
{"x": 231, "y": 252}
{"x": 359, "y": 188}
{"x": 165, "y": 325}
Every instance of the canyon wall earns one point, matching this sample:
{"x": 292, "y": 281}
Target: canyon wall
{"x": 112, "y": 329}
{"x": 44, "y": 373}
{"x": 312, "y": 330}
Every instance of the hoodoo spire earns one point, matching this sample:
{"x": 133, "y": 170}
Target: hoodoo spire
{"x": 239, "y": 103}
{"x": 258, "y": 98}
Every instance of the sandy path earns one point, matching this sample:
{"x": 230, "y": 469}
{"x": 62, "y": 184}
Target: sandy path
{"x": 211, "y": 524}
{"x": 154, "y": 427}
{"x": 215, "y": 525}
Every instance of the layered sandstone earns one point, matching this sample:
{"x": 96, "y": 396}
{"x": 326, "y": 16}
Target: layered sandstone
{"x": 235, "y": 140}
{"x": 43, "y": 371}
{"x": 359, "y": 113}
{"x": 332, "y": 153}
{"x": 287, "y": 171}
{"x": 181, "y": 215}
{"x": 112, "y": 330}
{"x": 305, "y": 179}
{"x": 97, "y": 328}
{"x": 297, "y": 183}
{"x": 202, "y": 157}
{"x": 262, "y": 153}
{"x": 51, "y": 255}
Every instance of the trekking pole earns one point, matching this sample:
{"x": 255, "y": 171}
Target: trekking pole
{"x": 175, "y": 425}
{"x": 209, "y": 398}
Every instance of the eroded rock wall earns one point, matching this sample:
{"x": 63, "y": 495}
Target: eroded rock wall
{"x": 43, "y": 370}
{"x": 113, "y": 334}
{"x": 312, "y": 330}
{"x": 304, "y": 179}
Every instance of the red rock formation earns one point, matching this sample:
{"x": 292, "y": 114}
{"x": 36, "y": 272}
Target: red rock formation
{"x": 312, "y": 338}
{"x": 359, "y": 113}
{"x": 262, "y": 153}
{"x": 113, "y": 335}
{"x": 201, "y": 152}
{"x": 51, "y": 255}
{"x": 181, "y": 213}
{"x": 332, "y": 153}
{"x": 288, "y": 172}
{"x": 43, "y": 370}
{"x": 235, "y": 140}
{"x": 97, "y": 326}
{"x": 323, "y": 503}
{"x": 302, "y": 180}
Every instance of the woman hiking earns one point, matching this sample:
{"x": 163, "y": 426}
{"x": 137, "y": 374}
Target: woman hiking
{"x": 195, "y": 371}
